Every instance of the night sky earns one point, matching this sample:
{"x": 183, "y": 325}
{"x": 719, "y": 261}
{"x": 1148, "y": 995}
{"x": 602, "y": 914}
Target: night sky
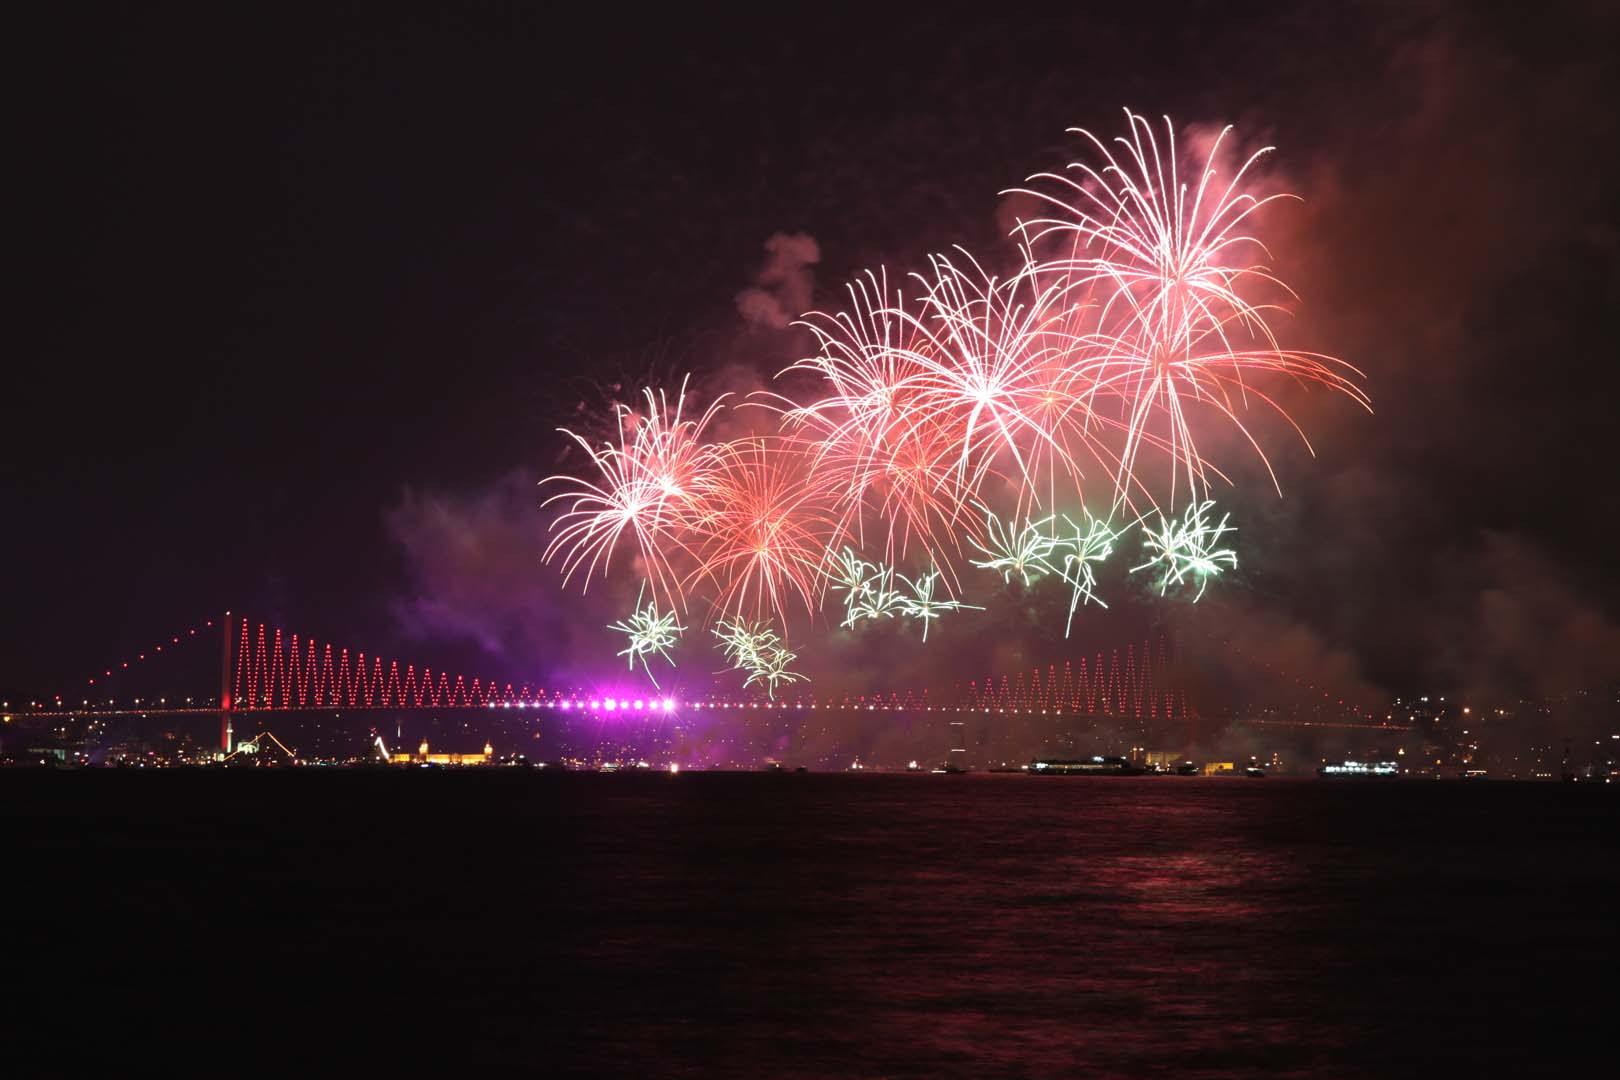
{"x": 303, "y": 297}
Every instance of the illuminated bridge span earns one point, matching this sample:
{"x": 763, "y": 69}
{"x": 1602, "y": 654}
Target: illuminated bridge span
{"x": 263, "y": 668}
{"x": 1142, "y": 686}
{"x": 273, "y": 671}
{"x": 276, "y": 671}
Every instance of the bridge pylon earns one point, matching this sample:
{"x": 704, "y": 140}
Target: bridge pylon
{"x": 225, "y": 703}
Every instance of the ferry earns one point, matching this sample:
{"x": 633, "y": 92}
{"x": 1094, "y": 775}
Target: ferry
{"x": 1360, "y": 770}
{"x": 1091, "y": 766}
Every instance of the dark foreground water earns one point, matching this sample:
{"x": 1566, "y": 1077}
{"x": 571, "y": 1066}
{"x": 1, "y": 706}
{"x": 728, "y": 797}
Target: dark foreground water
{"x": 807, "y": 926}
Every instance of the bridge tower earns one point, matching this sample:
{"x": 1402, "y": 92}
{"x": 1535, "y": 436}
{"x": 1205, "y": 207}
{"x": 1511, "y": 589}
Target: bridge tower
{"x": 225, "y": 702}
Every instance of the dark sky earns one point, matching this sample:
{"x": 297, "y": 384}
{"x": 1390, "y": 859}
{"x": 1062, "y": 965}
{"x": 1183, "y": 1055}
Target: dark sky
{"x": 304, "y": 295}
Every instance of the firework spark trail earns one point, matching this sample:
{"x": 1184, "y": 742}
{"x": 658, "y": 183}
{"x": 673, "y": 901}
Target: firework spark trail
{"x": 868, "y": 588}
{"x": 868, "y": 357}
{"x": 849, "y": 574}
{"x": 1185, "y": 550}
{"x": 649, "y": 484}
{"x": 764, "y": 529}
{"x": 1034, "y": 550}
{"x": 650, "y": 634}
{"x": 1093, "y": 544}
{"x": 910, "y": 488}
{"x": 921, "y": 603}
{"x": 773, "y": 670}
{"x": 882, "y": 601}
{"x": 989, "y": 339}
{"x": 1135, "y": 315}
{"x": 742, "y": 642}
{"x": 1009, "y": 549}
{"x": 756, "y": 648}
{"x": 884, "y": 455}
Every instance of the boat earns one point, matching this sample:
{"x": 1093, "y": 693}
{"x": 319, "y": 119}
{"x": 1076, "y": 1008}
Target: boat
{"x": 1097, "y": 765}
{"x": 1360, "y": 770}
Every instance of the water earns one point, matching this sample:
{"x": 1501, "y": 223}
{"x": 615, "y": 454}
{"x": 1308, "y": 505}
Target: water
{"x": 813, "y": 925}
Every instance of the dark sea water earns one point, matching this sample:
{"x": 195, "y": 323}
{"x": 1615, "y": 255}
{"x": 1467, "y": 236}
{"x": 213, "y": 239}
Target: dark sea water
{"x": 741, "y": 925}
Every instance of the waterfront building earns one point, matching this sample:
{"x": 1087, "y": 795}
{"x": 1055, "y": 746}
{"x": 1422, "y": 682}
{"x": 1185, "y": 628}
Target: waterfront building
{"x": 424, "y": 756}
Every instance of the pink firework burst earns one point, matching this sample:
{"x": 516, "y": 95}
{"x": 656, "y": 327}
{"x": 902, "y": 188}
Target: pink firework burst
{"x": 1168, "y": 264}
{"x": 648, "y": 486}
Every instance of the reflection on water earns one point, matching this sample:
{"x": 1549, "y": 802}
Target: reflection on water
{"x": 749, "y": 925}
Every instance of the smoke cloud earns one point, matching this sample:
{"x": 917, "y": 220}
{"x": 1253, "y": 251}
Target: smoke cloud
{"x": 782, "y": 292}
{"x": 1523, "y": 624}
{"x": 477, "y": 580}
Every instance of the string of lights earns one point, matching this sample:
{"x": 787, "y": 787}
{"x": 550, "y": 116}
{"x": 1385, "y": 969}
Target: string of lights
{"x": 1143, "y": 685}
{"x": 283, "y": 671}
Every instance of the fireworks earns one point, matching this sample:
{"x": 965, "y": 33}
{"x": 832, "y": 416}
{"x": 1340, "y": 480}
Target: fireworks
{"x": 755, "y": 648}
{"x": 881, "y": 455}
{"x": 921, "y": 603}
{"x": 648, "y": 487}
{"x": 1009, "y": 550}
{"x": 1161, "y": 257}
{"x": 1185, "y": 551}
{"x": 869, "y": 591}
{"x": 1090, "y": 545}
{"x": 761, "y": 536}
{"x": 988, "y": 341}
{"x": 955, "y": 416}
{"x": 1034, "y": 550}
{"x": 650, "y": 633}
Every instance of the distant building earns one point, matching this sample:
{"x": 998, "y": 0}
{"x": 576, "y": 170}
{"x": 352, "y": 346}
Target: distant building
{"x": 424, "y": 756}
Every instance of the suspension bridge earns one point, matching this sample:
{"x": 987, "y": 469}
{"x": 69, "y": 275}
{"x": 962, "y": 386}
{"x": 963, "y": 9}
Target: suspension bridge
{"x": 266, "y": 669}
